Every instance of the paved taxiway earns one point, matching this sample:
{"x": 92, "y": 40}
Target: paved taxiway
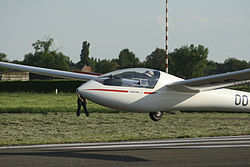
{"x": 214, "y": 151}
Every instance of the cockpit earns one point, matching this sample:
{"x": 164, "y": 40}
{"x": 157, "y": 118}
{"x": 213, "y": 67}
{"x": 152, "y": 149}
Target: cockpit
{"x": 133, "y": 77}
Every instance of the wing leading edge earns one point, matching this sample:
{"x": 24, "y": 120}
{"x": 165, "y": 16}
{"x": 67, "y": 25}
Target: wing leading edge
{"x": 212, "y": 82}
{"x": 49, "y": 72}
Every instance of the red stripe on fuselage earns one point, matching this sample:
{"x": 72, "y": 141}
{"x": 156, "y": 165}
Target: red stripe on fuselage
{"x": 109, "y": 90}
{"x": 121, "y": 91}
{"x": 149, "y": 93}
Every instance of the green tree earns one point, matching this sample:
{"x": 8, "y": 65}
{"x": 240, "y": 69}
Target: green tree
{"x": 156, "y": 60}
{"x": 212, "y": 68}
{"x": 43, "y": 46}
{"x": 44, "y": 57}
{"x": 84, "y": 56}
{"x": 127, "y": 59}
{"x": 104, "y": 66}
{"x": 3, "y": 57}
{"x": 233, "y": 64}
{"x": 92, "y": 63}
{"x": 188, "y": 61}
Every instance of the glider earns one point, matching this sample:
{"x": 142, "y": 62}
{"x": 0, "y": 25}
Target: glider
{"x": 154, "y": 92}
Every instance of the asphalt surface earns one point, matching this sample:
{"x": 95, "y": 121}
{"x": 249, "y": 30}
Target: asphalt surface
{"x": 215, "y": 151}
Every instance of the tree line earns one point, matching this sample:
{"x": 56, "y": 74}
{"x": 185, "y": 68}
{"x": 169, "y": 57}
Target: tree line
{"x": 188, "y": 61}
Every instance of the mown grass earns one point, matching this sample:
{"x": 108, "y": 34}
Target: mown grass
{"x": 47, "y": 122}
{"x": 43, "y": 103}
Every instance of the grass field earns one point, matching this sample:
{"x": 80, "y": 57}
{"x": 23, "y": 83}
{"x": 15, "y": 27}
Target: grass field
{"x": 28, "y": 118}
{"x": 43, "y": 103}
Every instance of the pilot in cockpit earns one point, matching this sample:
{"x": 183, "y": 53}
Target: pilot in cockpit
{"x": 150, "y": 74}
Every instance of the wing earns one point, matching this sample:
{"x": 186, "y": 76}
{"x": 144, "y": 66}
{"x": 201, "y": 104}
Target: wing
{"x": 49, "y": 72}
{"x": 212, "y": 82}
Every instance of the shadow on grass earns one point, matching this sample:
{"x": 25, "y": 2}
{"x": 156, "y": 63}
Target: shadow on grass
{"x": 225, "y": 112}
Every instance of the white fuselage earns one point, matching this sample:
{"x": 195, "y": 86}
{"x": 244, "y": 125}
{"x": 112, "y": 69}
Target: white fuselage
{"x": 163, "y": 98}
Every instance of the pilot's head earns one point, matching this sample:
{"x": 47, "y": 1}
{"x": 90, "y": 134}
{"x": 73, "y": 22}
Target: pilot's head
{"x": 149, "y": 73}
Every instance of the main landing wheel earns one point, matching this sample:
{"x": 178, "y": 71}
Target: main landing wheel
{"x": 155, "y": 116}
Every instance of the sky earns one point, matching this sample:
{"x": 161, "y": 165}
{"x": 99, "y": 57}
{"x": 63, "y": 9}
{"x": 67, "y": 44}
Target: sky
{"x": 223, "y": 26}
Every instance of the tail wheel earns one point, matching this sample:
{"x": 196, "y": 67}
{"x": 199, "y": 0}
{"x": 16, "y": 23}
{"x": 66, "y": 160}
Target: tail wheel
{"x": 155, "y": 116}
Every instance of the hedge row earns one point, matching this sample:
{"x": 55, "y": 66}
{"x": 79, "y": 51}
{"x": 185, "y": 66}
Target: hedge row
{"x": 40, "y": 86}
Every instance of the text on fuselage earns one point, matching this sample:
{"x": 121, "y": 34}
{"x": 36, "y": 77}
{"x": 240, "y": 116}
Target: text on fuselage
{"x": 241, "y": 100}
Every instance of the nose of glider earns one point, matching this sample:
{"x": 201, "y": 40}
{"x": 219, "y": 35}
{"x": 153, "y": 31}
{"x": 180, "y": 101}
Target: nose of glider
{"x": 81, "y": 89}
{"x": 84, "y": 88}
{"x": 77, "y": 90}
